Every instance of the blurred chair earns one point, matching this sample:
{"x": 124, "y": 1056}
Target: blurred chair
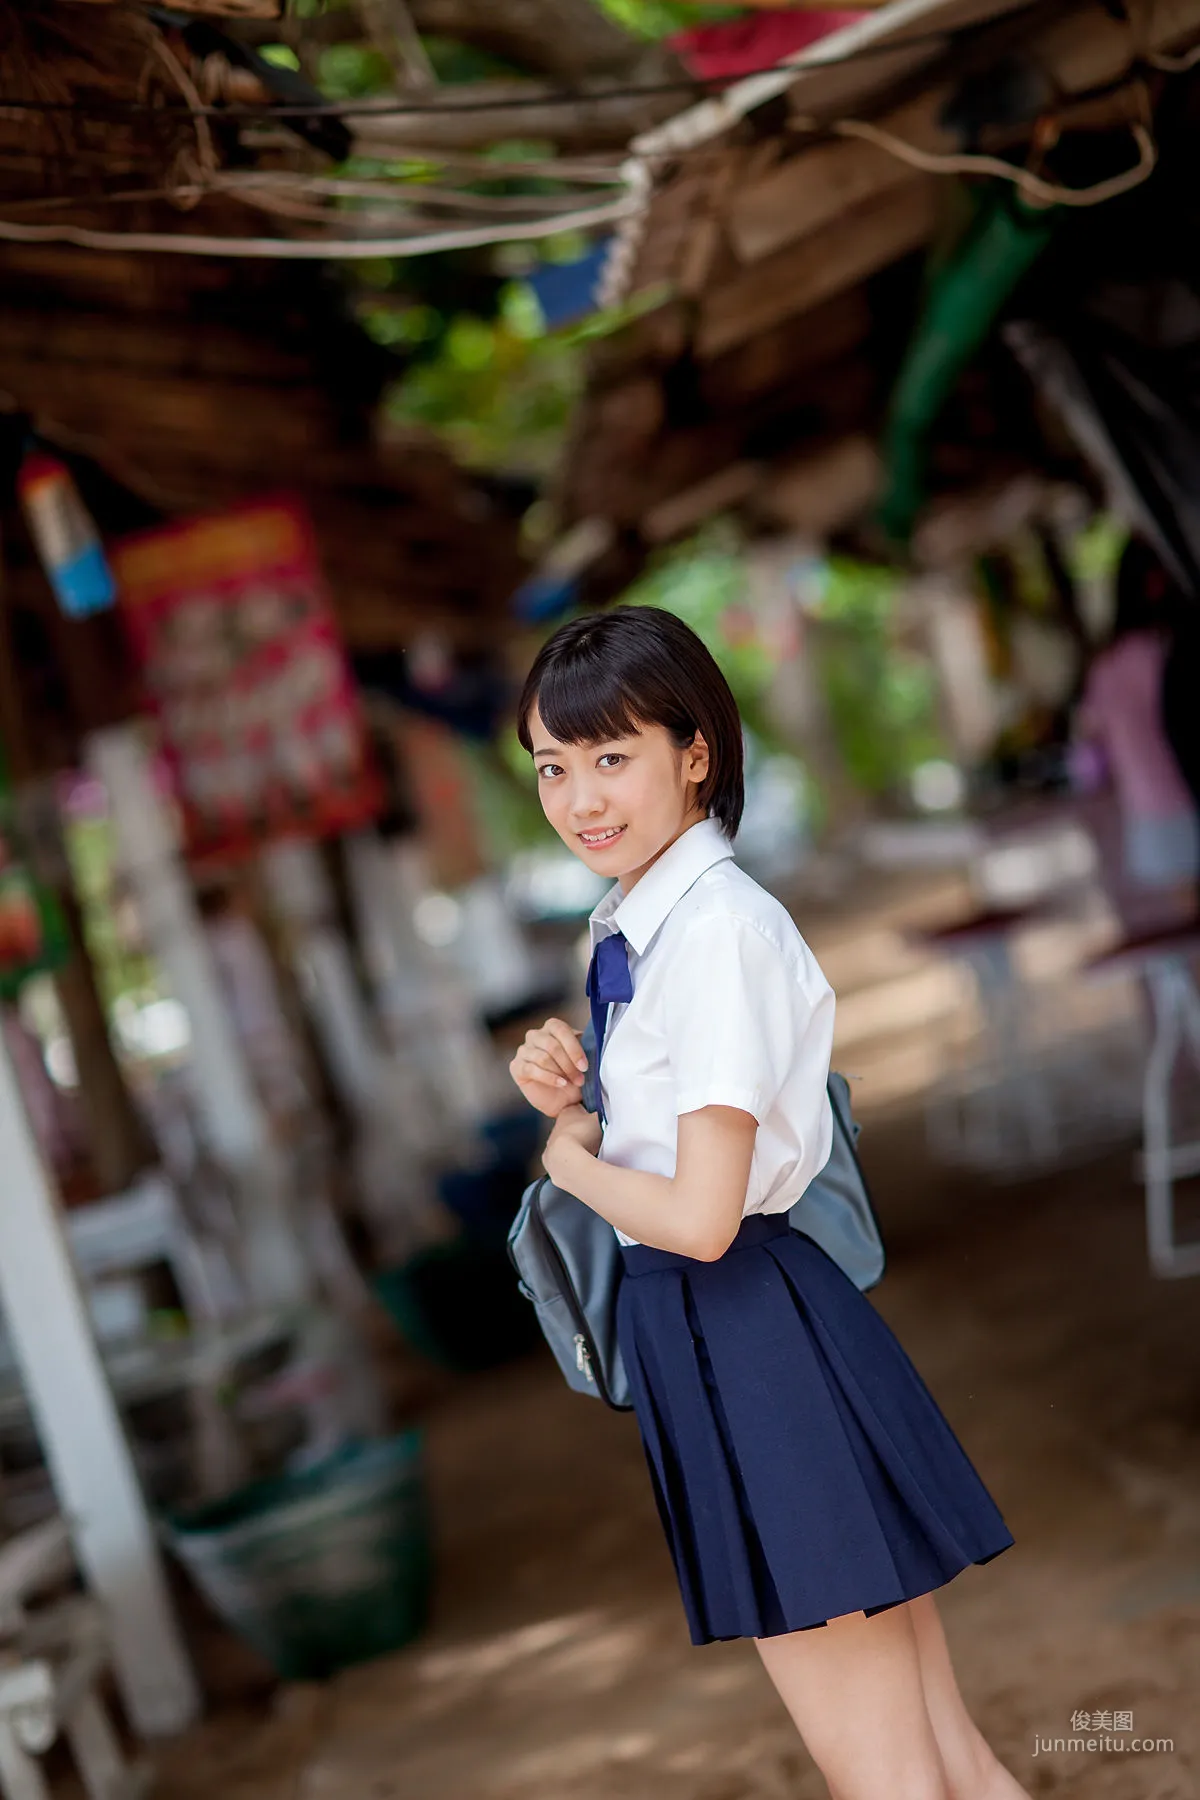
{"x": 144, "y": 1226}
{"x": 991, "y": 1111}
{"x": 52, "y": 1659}
{"x": 1164, "y": 961}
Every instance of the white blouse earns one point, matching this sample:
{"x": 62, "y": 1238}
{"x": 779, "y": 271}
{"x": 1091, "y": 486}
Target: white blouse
{"x": 729, "y": 1008}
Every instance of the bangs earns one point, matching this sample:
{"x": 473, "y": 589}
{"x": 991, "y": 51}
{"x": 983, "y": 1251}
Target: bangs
{"x": 585, "y": 702}
{"x": 623, "y": 672}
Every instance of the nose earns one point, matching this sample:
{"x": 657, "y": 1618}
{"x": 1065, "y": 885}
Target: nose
{"x": 586, "y": 804}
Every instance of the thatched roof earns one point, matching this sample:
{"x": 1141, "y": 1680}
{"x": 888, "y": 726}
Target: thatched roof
{"x": 784, "y": 239}
{"x": 119, "y": 120}
{"x": 196, "y": 384}
{"x": 196, "y": 381}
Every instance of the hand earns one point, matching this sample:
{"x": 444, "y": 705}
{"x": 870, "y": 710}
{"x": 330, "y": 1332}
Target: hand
{"x": 549, "y": 1067}
{"x": 574, "y": 1125}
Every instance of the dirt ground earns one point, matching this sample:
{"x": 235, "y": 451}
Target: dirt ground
{"x": 557, "y": 1661}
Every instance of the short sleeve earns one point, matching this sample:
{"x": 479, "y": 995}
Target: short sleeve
{"x": 740, "y": 1016}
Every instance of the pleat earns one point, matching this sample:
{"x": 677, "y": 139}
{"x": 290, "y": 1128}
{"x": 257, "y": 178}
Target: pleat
{"x": 824, "y": 1539}
{"x": 705, "y": 1531}
{"x": 902, "y": 1431}
{"x": 801, "y": 1467}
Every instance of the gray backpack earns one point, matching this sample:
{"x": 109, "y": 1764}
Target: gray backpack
{"x": 568, "y": 1259}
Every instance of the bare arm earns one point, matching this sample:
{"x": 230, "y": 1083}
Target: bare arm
{"x": 695, "y": 1212}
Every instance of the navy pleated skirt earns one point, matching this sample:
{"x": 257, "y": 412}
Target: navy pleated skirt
{"x": 801, "y": 1467}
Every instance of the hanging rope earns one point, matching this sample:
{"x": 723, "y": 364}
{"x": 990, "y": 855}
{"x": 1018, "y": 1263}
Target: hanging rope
{"x": 323, "y": 248}
{"x": 1034, "y": 189}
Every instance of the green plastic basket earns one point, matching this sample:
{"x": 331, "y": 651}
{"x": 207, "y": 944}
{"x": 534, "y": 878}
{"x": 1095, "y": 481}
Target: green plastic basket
{"x": 321, "y": 1569}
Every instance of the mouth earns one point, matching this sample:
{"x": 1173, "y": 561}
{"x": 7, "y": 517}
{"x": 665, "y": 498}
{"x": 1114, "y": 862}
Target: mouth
{"x": 600, "y": 840}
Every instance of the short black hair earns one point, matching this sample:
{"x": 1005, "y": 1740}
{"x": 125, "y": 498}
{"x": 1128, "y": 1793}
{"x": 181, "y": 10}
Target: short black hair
{"x": 604, "y": 675}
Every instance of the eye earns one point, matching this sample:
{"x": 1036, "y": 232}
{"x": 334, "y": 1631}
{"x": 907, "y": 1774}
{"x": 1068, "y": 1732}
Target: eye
{"x": 547, "y": 768}
{"x": 615, "y": 753}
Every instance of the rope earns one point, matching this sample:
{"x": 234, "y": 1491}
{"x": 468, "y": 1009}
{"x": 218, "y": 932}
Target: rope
{"x": 1039, "y": 192}
{"x": 318, "y": 249}
{"x": 206, "y": 155}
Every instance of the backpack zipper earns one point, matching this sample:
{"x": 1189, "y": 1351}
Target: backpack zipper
{"x": 586, "y": 1360}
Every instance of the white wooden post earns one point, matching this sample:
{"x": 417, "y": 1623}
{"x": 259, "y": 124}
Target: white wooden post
{"x": 234, "y": 1122}
{"x": 401, "y": 984}
{"x": 474, "y": 1081}
{"x": 81, "y": 1434}
{"x": 393, "y": 1181}
{"x": 300, "y": 889}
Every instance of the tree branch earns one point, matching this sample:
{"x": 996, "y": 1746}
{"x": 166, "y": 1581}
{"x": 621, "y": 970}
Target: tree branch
{"x": 392, "y": 30}
{"x": 592, "y": 119}
{"x": 566, "y": 40}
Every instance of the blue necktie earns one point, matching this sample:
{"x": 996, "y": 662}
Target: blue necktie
{"x": 608, "y": 980}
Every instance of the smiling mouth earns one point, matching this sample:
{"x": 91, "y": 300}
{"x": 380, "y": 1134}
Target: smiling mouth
{"x": 598, "y": 841}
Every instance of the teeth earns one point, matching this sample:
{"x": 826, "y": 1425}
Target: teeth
{"x": 591, "y": 837}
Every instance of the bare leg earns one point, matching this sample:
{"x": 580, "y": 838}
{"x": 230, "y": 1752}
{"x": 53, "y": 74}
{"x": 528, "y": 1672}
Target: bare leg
{"x": 972, "y": 1769}
{"x": 854, "y": 1691}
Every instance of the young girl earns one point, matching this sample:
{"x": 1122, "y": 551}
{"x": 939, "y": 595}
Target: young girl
{"x": 803, "y": 1473}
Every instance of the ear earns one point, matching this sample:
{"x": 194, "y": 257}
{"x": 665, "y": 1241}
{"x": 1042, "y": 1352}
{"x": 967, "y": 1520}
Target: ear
{"x": 696, "y": 759}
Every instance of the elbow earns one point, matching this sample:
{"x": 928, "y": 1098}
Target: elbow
{"x": 711, "y": 1246}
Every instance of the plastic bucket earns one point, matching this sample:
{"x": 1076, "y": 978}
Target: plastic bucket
{"x": 320, "y": 1569}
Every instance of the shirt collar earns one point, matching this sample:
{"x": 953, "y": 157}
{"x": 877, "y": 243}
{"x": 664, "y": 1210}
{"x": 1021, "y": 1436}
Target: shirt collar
{"x": 640, "y": 912}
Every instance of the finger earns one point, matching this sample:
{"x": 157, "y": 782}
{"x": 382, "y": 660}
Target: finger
{"x": 535, "y": 1065}
{"x": 547, "y": 1043}
{"x": 568, "y": 1037}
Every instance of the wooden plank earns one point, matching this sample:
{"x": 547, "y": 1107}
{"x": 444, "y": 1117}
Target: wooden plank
{"x": 831, "y": 260}
{"x": 115, "y": 342}
{"x": 811, "y": 190}
{"x": 817, "y": 405}
{"x": 217, "y": 9}
{"x": 683, "y": 512}
{"x": 764, "y": 363}
{"x": 31, "y": 1559}
{"x": 820, "y": 492}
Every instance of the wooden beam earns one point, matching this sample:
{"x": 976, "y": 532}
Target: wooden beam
{"x": 766, "y": 363}
{"x": 217, "y": 9}
{"x": 599, "y": 115}
{"x": 1074, "y": 54}
{"x": 820, "y": 492}
{"x": 819, "y": 405}
{"x": 569, "y": 40}
{"x": 683, "y": 512}
{"x": 835, "y": 258}
{"x": 822, "y": 184}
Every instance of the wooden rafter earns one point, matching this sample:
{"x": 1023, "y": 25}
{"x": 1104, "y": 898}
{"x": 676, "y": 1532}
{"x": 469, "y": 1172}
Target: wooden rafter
{"x": 216, "y": 9}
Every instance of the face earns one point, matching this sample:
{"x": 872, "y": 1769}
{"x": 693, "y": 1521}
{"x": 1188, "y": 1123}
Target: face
{"x": 618, "y": 804}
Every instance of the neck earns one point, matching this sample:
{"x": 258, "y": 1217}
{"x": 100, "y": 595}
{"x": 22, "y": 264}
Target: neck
{"x": 633, "y": 876}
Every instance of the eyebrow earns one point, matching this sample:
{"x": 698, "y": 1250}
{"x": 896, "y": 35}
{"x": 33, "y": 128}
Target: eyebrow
{"x": 543, "y": 751}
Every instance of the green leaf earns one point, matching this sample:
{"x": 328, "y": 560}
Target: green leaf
{"x": 662, "y": 18}
{"x": 353, "y": 71}
{"x": 280, "y": 56}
